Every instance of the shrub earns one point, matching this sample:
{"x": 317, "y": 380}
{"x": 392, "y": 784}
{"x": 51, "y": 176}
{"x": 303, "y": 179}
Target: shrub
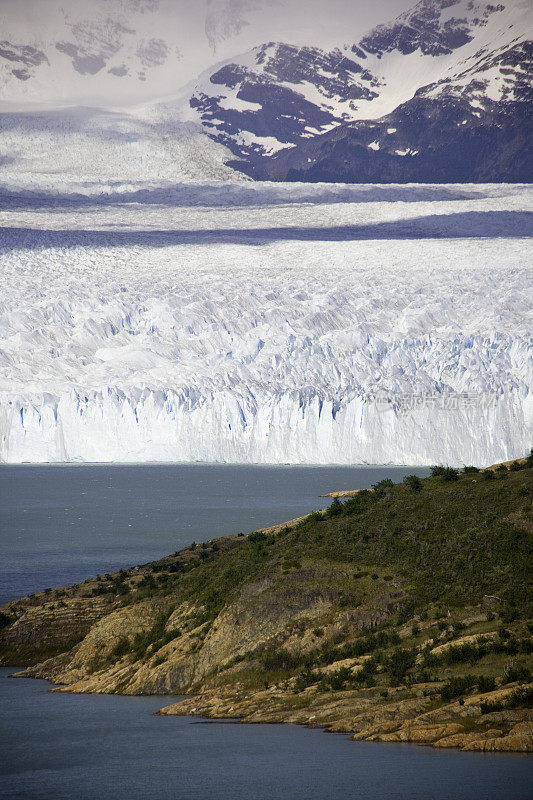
{"x": 450, "y": 474}
{"x": 147, "y": 582}
{"x": 437, "y": 470}
{"x": 516, "y": 466}
{"x": 335, "y": 508}
{"x": 5, "y": 620}
{"x": 488, "y": 475}
{"x": 413, "y": 483}
{"x": 516, "y": 672}
{"x": 257, "y": 536}
{"x": 306, "y": 678}
{"x": 460, "y": 653}
{"x": 279, "y": 659}
{"x": 121, "y": 648}
{"x": 336, "y": 680}
{"x": 399, "y": 663}
{"x": 366, "y": 674}
{"x": 485, "y": 684}
{"x": 508, "y": 613}
{"x": 457, "y": 686}
{"x": 470, "y": 469}
{"x": 520, "y": 698}
{"x": 382, "y": 487}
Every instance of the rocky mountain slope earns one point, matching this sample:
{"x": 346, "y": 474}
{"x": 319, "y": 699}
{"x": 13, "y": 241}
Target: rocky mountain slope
{"x": 403, "y": 614}
{"x": 442, "y": 93}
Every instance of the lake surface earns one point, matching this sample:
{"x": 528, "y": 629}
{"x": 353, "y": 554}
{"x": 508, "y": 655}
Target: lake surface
{"x": 84, "y": 747}
{"x": 60, "y": 524}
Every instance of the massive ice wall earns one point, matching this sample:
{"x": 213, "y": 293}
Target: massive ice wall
{"x": 289, "y": 428}
{"x": 125, "y": 346}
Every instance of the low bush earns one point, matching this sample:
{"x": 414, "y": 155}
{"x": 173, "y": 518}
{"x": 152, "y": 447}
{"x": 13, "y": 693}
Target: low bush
{"x": 306, "y": 678}
{"x": 279, "y": 659}
{"x": 122, "y": 647}
{"x": 413, "y": 483}
{"x": 516, "y": 672}
{"x": 5, "y": 620}
{"x": 337, "y": 680}
{"x": 398, "y": 664}
{"x": 450, "y": 474}
{"x": 520, "y": 698}
{"x": 335, "y": 508}
{"x": 381, "y": 488}
{"x": 457, "y": 687}
{"x": 257, "y": 536}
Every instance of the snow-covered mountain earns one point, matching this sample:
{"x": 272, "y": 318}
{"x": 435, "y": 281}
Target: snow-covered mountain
{"x": 123, "y": 52}
{"x": 441, "y": 93}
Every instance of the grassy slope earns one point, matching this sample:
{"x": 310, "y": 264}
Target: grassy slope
{"x": 452, "y": 542}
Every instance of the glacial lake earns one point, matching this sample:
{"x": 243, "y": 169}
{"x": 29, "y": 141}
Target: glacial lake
{"x": 95, "y": 747}
{"x": 60, "y": 524}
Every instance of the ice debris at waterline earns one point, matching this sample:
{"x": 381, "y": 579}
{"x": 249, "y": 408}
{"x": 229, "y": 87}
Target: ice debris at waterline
{"x": 297, "y": 324}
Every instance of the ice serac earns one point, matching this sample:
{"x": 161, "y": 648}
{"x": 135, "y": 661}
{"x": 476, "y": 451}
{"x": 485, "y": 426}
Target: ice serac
{"x": 265, "y": 323}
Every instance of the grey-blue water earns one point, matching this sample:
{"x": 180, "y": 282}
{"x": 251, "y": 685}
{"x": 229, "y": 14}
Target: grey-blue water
{"x": 61, "y": 524}
{"x": 97, "y": 747}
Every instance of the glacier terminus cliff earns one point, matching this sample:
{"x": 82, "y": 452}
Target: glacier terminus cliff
{"x": 257, "y": 322}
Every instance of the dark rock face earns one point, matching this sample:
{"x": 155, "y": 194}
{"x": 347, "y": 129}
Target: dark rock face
{"x": 422, "y": 29}
{"x": 84, "y": 63}
{"x": 423, "y": 141}
{"x": 284, "y": 112}
{"x": 24, "y": 56}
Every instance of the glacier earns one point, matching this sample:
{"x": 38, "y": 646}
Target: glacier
{"x": 266, "y": 323}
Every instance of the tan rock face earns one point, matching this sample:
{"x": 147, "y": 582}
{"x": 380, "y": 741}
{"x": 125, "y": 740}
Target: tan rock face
{"x": 50, "y": 628}
{"x": 262, "y": 613}
{"x": 441, "y": 648}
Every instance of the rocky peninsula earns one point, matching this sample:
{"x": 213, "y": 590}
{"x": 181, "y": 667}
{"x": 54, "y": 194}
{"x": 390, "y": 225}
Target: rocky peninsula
{"x": 402, "y": 614}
